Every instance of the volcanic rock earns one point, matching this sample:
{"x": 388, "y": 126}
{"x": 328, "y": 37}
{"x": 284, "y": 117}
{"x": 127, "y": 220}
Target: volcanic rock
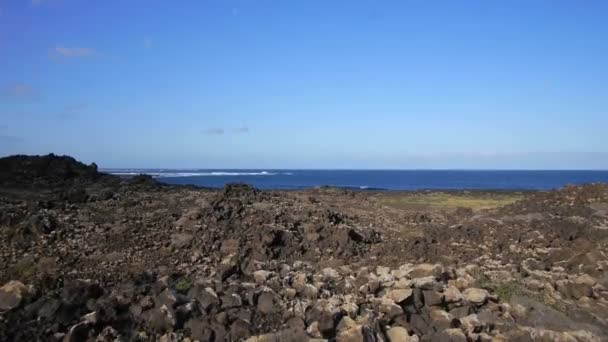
{"x": 12, "y": 294}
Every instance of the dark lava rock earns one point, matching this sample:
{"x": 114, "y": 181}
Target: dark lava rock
{"x": 108, "y": 258}
{"x": 50, "y": 169}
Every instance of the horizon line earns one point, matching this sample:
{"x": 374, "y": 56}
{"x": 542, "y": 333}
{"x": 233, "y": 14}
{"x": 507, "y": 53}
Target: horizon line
{"x": 102, "y": 169}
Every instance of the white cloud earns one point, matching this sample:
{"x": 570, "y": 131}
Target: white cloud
{"x": 73, "y": 52}
{"x": 213, "y": 131}
{"x": 220, "y": 131}
{"x": 18, "y": 91}
{"x": 242, "y": 129}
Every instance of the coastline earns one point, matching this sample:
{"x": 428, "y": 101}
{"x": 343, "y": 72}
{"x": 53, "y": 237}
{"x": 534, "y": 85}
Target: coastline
{"x": 88, "y": 254}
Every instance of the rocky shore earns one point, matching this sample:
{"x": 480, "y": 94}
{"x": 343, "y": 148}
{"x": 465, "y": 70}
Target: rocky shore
{"x": 86, "y": 256}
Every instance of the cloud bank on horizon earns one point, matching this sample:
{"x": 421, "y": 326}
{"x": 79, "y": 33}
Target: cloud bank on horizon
{"x": 387, "y": 85}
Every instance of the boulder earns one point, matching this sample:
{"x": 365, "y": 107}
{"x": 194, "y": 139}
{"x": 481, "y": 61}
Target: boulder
{"x": 398, "y": 334}
{"x": 205, "y": 296}
{"x": 181, "y": 240}
{"x": 432, "y": 298}
{"x": 387, "y": 306}
{"x": 108, "y": 334}
{"x": 299, "y": 281}
{"x": 471, "y": 324}
{"x": 330, "y": 273}
{"x": 309, "y": 291}
{"x": 575, "y": 290}
{"x": 268, "y": 302}
{"x": 383, "y": 271}
{"x": 440, "y": 319}
{"x": 476, "y": 296}
{"x": 346, "y": 323}
{"x": 261, "y": 276}
{"x": 290, "y": 293}
{"x": 370, "y": 287}
{"x": 326, "y": 313}
{"x": 424, "y": 282}
{"x": 586, "y": 280}
{"x": 351, "y": 309}
{"x": 349, "y": 331}
{"x": 399, "y": 295}
{"x": 351, "y": 335}
{"x": 327, "y": 322}
{"x": 169, "y": 337}
{"x": 161, "y": 319}
{"x": 12, "y": 294}
{"x": 538, "y": 334}
{"x": 293, "y": 334}
{"x": 227, "y": 267}
{"x": 402, "y": 283}
{"x": 313, "y": 330}
{"x": 452, "y": 295}
{"x": 451, "y": 335}
{"x": 419, "y": 325}
{"x": 239, "y": 329}
{"x": 461, "y": 311}
{"x": 232, "y": 300}
{"x": 426, "y": 270}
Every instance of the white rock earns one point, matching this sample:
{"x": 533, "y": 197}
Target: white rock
{"x": 261, "y": 276}
{"x": 399, "y": 295}
{"x": 475, "y": 295}
{"x": 426, "y": 270}
{"x": 453, "y": 335}
{"x": 586, "y": 280}
{"x": 403, "y": 283}
{"x": 452, "y": 294}
{"x": 398, "y": 334}
{"x": 424, "y": 281}
{"x": 387, "y": 306}
{"x": 382, "y": 271}
{"x": 330, "y": 273}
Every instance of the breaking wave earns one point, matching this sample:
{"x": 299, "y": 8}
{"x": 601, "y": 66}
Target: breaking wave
{"x": 157, "y": 174}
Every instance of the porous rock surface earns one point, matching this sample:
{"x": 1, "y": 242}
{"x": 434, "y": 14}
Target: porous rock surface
{"x": 91, "y": 257}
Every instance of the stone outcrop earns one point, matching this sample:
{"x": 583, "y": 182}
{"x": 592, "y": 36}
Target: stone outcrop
{"x": 86, "y": 256}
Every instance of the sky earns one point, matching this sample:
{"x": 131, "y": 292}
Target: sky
{"x": 404, "y": 84}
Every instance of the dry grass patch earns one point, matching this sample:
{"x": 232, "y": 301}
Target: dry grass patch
{"x": 444, "y": 200}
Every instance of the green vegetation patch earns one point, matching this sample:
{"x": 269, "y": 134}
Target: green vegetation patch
{"x": 505, "y": 291}
{"x": 183, "y": 285}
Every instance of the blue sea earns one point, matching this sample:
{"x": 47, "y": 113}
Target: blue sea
{"x": 375, "y": 179}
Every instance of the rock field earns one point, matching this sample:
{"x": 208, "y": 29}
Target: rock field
{"x": 86, "y": 256}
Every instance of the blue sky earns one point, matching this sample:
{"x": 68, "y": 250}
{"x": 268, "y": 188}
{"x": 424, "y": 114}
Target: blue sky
{"x": 307, "y": 84}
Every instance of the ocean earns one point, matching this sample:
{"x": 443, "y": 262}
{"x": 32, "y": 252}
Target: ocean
{"x": 376, "y": 179}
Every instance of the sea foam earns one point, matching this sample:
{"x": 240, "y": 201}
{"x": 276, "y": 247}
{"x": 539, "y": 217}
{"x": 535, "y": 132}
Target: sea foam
{"x": 188, "y": 174}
